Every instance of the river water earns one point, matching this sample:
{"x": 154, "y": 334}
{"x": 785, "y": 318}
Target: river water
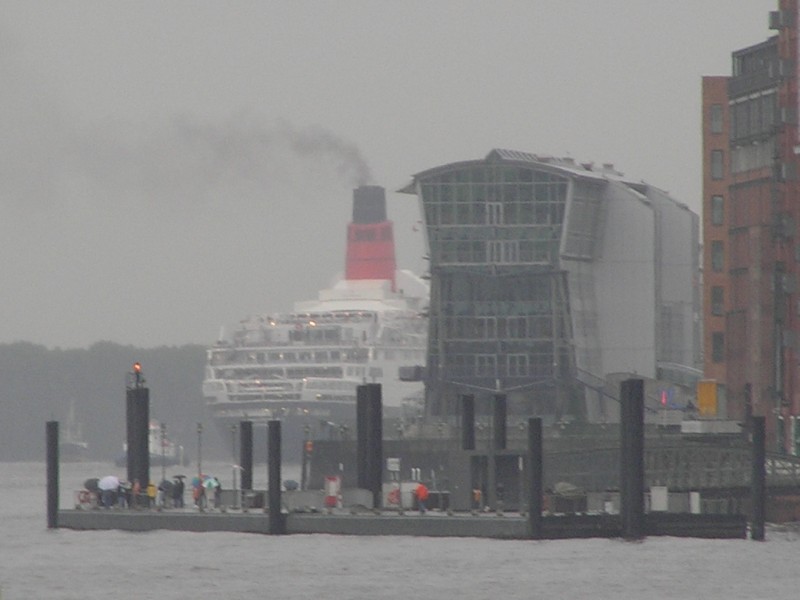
{"x": 38, "y": 563}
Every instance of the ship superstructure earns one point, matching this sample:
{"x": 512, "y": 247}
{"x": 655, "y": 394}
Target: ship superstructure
{"x": 303, "y": 367}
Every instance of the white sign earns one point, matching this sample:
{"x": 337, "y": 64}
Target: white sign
{"x": 393, "y": 464}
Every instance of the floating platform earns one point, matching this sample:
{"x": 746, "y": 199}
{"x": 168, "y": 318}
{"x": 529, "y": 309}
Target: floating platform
{"x": 432, "y": 524}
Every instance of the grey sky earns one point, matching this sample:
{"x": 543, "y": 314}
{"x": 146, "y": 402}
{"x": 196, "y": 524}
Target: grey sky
{"x": 170, "y": 167}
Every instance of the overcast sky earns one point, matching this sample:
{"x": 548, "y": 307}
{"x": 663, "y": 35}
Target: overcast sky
{"x": 167, "y": 168}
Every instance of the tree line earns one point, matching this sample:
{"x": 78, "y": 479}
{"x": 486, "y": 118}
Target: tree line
{"x": 38, "y": 384}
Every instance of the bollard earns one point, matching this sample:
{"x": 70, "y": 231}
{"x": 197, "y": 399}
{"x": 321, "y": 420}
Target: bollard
{"x": 52, "y": 474}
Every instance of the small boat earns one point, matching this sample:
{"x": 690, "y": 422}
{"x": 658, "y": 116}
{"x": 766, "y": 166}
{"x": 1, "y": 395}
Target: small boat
{"x": 73, "y": 447}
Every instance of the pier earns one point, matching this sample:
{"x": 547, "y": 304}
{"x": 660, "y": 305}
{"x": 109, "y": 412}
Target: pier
{"x": 632, "y": 510}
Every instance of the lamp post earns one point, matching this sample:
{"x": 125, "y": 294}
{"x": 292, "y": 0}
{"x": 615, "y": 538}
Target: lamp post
{"x": 199, "y": 452}
{"x": 233, "y": 447}
{"x": 163, "y": 452}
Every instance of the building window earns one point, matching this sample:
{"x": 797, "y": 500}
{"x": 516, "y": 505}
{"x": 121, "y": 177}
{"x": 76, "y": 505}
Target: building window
{"x": 717, "y": 300}
{"x": 717, "y": 256}
{"x": 717, "y": 210}
{"x": 716, "y": 118}
{"x": 494, "y": 213}
{"x": 718, "y": 347}
{"x": 717, "y": 171}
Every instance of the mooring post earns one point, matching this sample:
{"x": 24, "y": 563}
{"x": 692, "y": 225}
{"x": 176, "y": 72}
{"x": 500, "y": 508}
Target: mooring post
{"x": 246, "y": 454}
{"x": 632, "y": 458}
{"x": 362, "y": 426}
{"x": 374, "y": 444}
{"x": 758, "y": 485}
{"x": 138, "y": 428}
{"x": 52, "y": 474}
{"x": 467, "y": 422}
{"x": 535, "y": 473}
{"x": 277, "y": 524}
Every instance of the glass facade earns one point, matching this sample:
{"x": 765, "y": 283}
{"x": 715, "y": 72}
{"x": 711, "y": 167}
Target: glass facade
{"x": 496, "y": 319}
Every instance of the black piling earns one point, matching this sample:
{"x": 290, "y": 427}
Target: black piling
{"x": 138, "y": 423}
{"x": 52, "y": 474}
{"x": 535, "y": 474}
{"x": 374, "y": 443}
{"x": 246, "y": 453}
{"x": 758, "y": 485}
{"x": 362, "y": 426}
{"x": 499, "y": 424}
{"x": 277, "y": 524}
{"x": 632, "y": 458}
{"x": 468, "y": 422}
{"x": 369, "y": 440}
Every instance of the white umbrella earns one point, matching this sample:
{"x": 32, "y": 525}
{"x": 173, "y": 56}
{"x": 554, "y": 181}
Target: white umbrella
{"x": 109, "y": 482}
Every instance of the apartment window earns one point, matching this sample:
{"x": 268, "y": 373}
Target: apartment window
{"x": 717, "y": 171}
{"x": 717, "y": 210}
{"x": 717, "y": 256}
{"x": 716, "y": 118}
{"x": 717, "y": 300}
{"x": 718, "y": 347}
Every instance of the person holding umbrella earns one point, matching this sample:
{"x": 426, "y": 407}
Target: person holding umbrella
{"x": 108, "y": 486}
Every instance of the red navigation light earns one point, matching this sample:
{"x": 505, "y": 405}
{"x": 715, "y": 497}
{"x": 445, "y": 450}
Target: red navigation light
{"x": 137, "y": 367}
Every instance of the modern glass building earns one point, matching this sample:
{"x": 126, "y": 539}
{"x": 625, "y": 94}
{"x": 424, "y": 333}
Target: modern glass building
{"x": 546, "y": 277}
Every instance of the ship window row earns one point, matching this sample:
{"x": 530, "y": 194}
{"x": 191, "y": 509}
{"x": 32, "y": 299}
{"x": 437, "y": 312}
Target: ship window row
{"x": 318, "y": 356}
{"x": 279, "y": 374}
{"x": 477, "y": 328}
{"x": 395, "y": 354}
{"x": 494, "y": 213}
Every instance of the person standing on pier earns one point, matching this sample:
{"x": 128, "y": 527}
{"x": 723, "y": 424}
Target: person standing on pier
{"x": 421, "y": 492}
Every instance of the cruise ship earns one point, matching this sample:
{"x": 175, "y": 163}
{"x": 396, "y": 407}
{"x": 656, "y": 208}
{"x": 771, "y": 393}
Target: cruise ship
{"x": 303, "y": 367}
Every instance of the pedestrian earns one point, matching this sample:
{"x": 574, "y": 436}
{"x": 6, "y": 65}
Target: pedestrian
{"x": 151, "y": 494}
{"x": 136, "y": 493}
{"x": 161, "y": 497}
{"x": 421, "y": 492}
{"x": 217, "y": 493}
{"x": 122, "y": 494}
{"x": 177, "y": 493}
